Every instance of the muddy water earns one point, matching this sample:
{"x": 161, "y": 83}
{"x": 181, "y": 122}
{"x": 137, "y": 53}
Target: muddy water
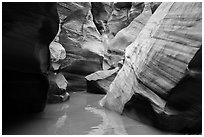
{"x": 81, "y": 115}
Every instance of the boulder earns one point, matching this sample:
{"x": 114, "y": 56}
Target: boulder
{"x": 58, "y": 88}
{"x": 80, "y": 38}
{"x": 158, "y": 58}
{"x": 58, "y": 53}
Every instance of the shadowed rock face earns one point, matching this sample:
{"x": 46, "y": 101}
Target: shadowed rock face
{"x": 57, "y": 91}
{"x": 188, "y": 92}
{"x": 119, "y": 17}
{"x": 185, "y": 99}
{"x": 101, "y": 12}
{"x": 28, "y": 29}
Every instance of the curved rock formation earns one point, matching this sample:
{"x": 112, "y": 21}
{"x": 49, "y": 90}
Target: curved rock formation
{"x": 101, "y": 12}
{"x": 158, "y": 59}
{"x": 80, "y": 38}
{"x": 125, "y": 37}
{"x": 119, "y": 17}
{"x": 28, "y": 29}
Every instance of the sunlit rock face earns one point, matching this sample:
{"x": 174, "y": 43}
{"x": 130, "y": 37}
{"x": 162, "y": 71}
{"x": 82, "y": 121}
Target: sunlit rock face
{"x": 158, "y": 59}
{"x": 115, "y": 48}
{"x": 80, "y": 38}
{"x": 57, "y": 54}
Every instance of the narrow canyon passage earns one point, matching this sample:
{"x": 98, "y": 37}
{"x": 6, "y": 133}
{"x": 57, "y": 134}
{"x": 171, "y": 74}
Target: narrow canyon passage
{"x": 141, "y": 60}
{"x": 81, "y": 115}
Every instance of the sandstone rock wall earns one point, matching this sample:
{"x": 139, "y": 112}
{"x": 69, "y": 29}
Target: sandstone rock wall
{"x": 125, "y": 37}
{"x": 101, "y": 12}
{"x": 119, "y": 17}
{"x": 80, "y": 38}
{"x": 28, "y": 29}
{"x": 84, "y": 31}
{"x": 158, "y": 58}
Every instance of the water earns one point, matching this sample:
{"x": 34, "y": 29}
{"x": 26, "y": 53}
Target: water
{"x": 78, "y": 116}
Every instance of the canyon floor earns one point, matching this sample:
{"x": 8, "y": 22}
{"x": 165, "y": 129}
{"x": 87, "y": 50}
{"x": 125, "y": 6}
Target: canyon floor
{"x": 80, "y": 115}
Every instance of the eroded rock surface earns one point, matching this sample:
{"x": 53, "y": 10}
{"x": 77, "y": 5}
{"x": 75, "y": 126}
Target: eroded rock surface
{"x": 101, "y": 13}
{"x": 80, "y": 38}
{"x": 119, "y": 17}
{"x": 158, "y": 58}
{"x": 116, "y": 46}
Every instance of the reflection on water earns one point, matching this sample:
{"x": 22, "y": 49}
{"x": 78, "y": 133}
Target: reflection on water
{"x": 60, "y": 122}
{"x": 111, "y": 123}
{"x": 80, "y": 115}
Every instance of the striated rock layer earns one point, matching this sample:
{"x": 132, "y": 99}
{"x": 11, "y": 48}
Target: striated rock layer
{"x": 158, "y": 59}
{"x": 114, "y": 48}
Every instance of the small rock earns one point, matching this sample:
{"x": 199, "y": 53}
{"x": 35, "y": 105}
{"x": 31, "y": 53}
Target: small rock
{"x": 57, "y": 91}
{"x": 57, "y": 51}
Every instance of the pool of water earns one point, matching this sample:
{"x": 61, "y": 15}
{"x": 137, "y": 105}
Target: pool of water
{"x": 81, "y": 115}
